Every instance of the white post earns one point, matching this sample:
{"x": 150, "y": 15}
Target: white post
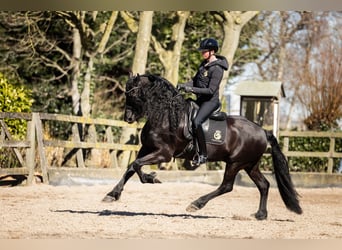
{"x": 276, "y": 118}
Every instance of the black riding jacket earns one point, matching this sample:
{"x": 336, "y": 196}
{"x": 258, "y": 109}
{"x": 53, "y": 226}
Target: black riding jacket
{"x": 206, "y": 82}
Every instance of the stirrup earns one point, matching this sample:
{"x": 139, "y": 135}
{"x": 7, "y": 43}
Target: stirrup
{"x": 198, "y": 160}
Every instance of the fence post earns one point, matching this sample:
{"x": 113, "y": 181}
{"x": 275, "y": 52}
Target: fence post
{"x": 76, "y": 138}
{"x": 127, "y": 137}
{"x": 113, "y": 158}
{"x": 31, "y": 151}
{"x": 40, "y": 144}
{"x": 95, "y": 158}
{"x": 286, "y": 146}
{"x": 5, "y": 133}
{"x": 331, "y": 153}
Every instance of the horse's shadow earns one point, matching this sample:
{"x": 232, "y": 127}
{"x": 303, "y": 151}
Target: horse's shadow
{"x": 132, "y": 214}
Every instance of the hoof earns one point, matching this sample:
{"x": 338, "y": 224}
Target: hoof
{"x": 108, "y": 199}
{"x": 260, "y": 216}
{"x": 150, "y": 178}
{"x": 155, "y": 180}
{"x": 192, "y": 208}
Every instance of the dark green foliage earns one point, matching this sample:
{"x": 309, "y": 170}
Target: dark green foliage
{"x": 25, "y": 45}
{"x": 307, "y": 164}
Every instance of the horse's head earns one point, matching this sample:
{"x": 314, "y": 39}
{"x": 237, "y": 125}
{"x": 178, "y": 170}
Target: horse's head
{"x": 135, "y": 98}
{"x": 156, "y": 99}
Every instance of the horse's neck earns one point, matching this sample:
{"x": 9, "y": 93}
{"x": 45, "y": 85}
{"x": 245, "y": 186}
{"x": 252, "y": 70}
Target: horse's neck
{"x": 173, "y": 108}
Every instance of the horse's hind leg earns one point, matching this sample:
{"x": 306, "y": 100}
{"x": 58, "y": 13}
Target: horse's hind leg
{"x": 263, "y": 186}
{"x": 225, "y": 187}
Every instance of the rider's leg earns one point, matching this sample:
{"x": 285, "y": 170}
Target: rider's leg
{"x": 203, "y": 114}
{"x": 202, "y": 147}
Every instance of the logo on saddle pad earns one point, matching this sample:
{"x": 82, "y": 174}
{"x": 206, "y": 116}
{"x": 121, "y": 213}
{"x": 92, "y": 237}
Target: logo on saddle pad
{"x": 214, "y": 128}
{"x": 217, "y": 135}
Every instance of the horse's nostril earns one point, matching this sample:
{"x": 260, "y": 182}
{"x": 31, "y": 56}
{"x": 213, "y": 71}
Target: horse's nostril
{"x": 128, "y": 119}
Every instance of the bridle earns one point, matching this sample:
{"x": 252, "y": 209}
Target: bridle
{"x": 137, "y": 87}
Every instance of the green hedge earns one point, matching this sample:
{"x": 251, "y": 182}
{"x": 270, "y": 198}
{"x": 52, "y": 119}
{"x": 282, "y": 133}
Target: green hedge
{"x": 307, "y": 164}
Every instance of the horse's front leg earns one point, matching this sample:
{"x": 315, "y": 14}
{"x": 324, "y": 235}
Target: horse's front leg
{"x": 115, "y": 194}
{"x": 156, "y": 157}
{"x": 144, "y": 158}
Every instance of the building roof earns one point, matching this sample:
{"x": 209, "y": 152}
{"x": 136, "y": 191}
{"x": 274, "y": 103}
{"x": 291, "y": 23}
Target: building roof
{"x": 260, "y": 88}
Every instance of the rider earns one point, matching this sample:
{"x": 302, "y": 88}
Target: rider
{"x": 205, "y": 85}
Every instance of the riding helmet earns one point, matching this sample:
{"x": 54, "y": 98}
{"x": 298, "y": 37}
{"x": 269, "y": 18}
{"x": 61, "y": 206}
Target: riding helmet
{"x": 209, "y": 44}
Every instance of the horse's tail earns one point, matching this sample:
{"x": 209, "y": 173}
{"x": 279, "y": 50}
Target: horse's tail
{"x": 281, "y": 170}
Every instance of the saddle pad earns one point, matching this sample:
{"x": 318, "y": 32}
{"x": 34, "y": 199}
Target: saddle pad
{"x": 215, "y": 133}
{"x": 214, "y": 128}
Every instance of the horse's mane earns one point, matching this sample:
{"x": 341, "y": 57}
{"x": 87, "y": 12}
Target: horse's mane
{"x": 163, "y": 102}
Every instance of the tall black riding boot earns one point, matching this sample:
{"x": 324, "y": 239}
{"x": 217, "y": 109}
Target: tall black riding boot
{"x": 202, "y": 148}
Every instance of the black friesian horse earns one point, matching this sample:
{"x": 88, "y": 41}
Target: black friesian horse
{"x": 162, "y": 138}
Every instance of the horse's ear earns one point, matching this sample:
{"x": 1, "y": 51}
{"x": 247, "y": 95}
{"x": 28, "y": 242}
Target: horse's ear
{"x": 131, "y": 75}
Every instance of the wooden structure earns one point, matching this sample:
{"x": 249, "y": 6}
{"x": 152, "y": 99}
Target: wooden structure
{"x": 331, "y": 154}
{"x": 260, "y": 102}
{"x": 34, "y": 146}
{"x": 35, "y": 141}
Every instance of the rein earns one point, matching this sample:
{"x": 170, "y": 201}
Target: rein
{"x": 137, "y": 87}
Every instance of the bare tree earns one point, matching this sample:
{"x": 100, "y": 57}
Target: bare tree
{"x": 317, "y": 72}
{"x": 85, "y": 50}
{"x": 321, "y": 86}
{"x": 26, "y": 39}
{"x": 63, "y": 47}
{"x": 286, "y": 43}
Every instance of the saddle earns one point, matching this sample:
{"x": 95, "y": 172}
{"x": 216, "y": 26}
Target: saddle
{"x": 214, "y": 127}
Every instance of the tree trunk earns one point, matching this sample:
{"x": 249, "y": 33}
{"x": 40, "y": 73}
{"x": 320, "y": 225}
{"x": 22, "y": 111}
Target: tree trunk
{"x": 107, "y": 31}
{"x": 232, "y": 24}
{"x": 86, "y": 92}
{"x": 77, "y": 131}
{"x": 143, "y": 42}
{"x": 171, "y": 58}
{"x": 178, "y": 36}
{"x": 139, "y": 67}
{"x": 82, "y": 102}
{"x": 77, "y": 48}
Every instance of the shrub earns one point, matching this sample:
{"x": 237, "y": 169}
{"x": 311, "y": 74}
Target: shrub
{"x": 307, "y": 164}
{"x": 14, "y": 99}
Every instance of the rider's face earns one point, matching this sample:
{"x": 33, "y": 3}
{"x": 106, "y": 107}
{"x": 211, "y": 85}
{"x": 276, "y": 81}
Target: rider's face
{"x": 206, "y": 54}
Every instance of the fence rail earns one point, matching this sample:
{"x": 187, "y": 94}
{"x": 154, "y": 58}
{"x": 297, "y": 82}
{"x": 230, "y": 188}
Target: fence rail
{"x": 34, "y": 145}
{"x": 331, "y": 154}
